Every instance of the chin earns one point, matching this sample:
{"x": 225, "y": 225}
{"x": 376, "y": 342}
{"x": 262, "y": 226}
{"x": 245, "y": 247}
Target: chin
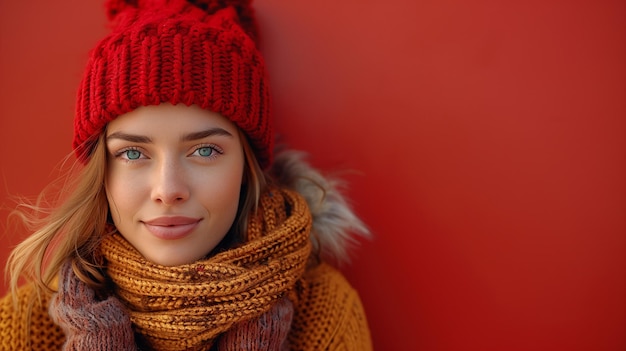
{"x": 173, "y": 258}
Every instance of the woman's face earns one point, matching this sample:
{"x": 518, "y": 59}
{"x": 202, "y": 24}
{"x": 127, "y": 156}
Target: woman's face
{"x": 174, "y": 176}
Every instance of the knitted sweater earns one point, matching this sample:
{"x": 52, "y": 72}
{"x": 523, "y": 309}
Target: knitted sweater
{"x": 328, "y": 316}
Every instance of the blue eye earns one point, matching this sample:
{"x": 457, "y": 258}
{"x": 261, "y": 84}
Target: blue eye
{"x": 132, "y": 154}
{"x": 205, "y": 151}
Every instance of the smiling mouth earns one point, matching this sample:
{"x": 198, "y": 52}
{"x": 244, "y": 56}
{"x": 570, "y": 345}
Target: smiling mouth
{"x": 171, "y": 228}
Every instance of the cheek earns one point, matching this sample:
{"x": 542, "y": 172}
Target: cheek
{"x": 116, "y": 202}
{"x": 222, "y": 196}
{"x": 122, "y": 194}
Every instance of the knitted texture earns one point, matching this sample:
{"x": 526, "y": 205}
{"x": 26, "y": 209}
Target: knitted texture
{"x": 268, "y": 332}
{"x": 176, "y": 51}
{"x": 88, "y": 322}
{"x": 21, "y": 330}
{"x": 188, "y": 306}
{"x": 328, "y": 315}
{"x": 327, "y": 312}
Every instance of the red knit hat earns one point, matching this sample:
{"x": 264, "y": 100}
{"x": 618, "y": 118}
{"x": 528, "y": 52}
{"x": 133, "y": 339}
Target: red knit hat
{"x": 199, "y": 52}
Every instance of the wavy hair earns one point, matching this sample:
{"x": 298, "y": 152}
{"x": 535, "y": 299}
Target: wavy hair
{"x": 74, "y": 229}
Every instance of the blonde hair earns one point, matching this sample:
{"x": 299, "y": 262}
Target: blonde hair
{"x": 74, "y": 229}
{"x": 254, "y": 183}
{"x": 63, "y": 232}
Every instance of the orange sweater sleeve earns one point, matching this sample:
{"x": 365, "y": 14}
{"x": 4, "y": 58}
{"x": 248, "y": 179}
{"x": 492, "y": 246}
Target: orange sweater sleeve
{"x": 21, "y": 330}
{"x": 329, "y": 314}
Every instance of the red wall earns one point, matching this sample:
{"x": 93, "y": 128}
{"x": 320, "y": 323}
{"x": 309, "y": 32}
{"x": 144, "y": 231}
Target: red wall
{"x": 484, "y": 142}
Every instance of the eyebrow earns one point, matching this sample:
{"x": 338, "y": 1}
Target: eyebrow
{"x": 206, "y": 133}
{"x": 129, "y": 137}
{"x": 187, "y": 137}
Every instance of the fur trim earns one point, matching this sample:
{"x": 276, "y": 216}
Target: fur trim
{"x": 336, "y": 228}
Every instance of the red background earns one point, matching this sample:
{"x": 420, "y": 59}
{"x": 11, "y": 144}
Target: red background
{"x": 484, "y": 142}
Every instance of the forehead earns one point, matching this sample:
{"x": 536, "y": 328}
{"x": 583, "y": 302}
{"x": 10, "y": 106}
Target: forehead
{"x": 169, "y": 119}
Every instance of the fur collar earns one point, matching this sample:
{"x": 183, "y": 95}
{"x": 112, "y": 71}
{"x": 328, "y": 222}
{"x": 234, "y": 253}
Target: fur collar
{"x": 336, "y": 228}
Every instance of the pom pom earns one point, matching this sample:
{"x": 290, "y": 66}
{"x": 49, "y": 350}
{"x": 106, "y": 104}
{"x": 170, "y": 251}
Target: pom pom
{"x": 242, "y": 7}
{"x": 114, "y": 7}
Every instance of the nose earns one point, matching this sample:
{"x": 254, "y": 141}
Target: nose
{"x": 169, "y": 183}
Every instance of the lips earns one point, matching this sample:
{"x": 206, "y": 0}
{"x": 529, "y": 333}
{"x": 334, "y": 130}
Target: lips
{"x": 171, "y": 228}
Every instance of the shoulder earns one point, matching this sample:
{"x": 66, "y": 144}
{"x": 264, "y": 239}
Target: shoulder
{"x": 328, "y": 314}
{"x": 26, "y": 325}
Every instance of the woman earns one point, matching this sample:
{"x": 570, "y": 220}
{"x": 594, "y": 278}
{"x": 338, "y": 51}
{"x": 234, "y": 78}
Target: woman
{"x": 184, "y": 231}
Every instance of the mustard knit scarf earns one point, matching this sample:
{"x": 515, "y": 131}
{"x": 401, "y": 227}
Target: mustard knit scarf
{"x": 188, "y": 306}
